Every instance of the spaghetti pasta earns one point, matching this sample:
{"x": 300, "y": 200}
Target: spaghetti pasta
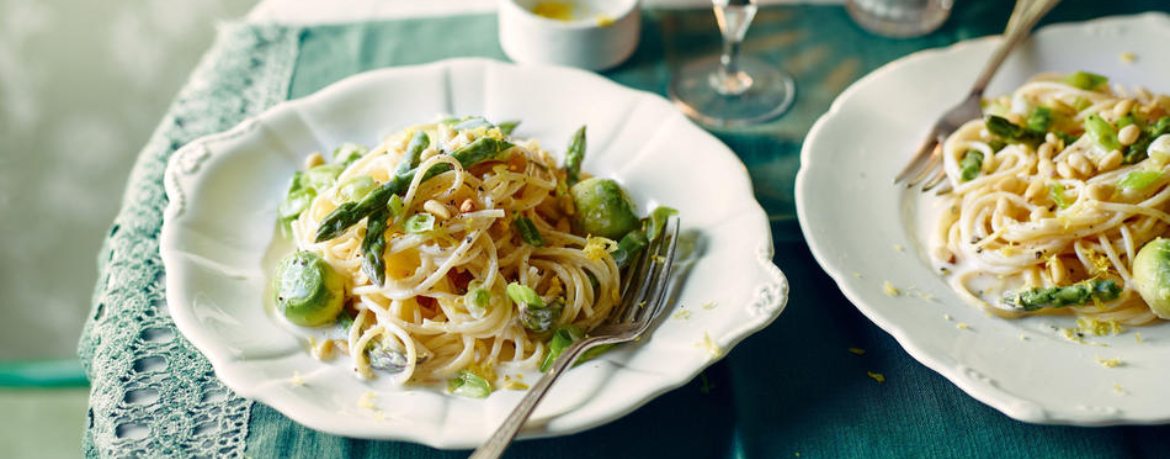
{"x": 1053, "y": 192}
{"x": 480, "y": 260}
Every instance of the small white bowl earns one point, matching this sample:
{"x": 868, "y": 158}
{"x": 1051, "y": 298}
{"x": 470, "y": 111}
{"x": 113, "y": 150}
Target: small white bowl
{"x": 604, "y": 34}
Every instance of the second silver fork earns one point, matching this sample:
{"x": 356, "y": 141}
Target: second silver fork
{"x": 926, "y": 167}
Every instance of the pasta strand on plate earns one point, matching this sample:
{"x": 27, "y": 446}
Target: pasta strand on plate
{"x": 1055, "y": 193}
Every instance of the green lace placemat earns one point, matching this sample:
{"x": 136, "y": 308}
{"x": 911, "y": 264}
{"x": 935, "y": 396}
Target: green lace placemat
{"x": 152, "y": 393}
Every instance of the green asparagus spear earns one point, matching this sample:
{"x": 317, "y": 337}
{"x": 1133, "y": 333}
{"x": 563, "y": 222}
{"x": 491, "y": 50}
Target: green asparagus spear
{"x": 348, "y": 214}
{"x": 1059, "y": 297}
{"x": 574, "y": 156}
{"x": 528, "y": 232}
{"x": 374, "y": 246}
{"x": 419, "y": 142}
{"x": 971, "y": 164}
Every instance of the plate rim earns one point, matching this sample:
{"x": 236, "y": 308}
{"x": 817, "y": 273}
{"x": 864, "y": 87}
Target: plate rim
{"x": 227, "y": 368}
{"x": 1008, "y": 403}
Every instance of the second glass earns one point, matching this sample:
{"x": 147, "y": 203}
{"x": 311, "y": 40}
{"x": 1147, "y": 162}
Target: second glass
{"x": 729, "y": 89}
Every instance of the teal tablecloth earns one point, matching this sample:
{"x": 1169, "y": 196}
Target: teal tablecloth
{"x": 792, "y": 390}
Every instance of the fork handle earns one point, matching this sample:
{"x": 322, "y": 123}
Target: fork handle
{"x": 499, "y": 441}
{"x": 1024, "y": 17}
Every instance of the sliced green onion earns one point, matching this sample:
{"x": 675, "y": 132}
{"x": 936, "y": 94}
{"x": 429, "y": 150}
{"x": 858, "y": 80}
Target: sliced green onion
{"x": 419, "y": 223}
{"x": 507, "y": 127}
{"x": 657, "y": 221}
{"x": 971, "y": 164}
{"x": 476, "y": 300}
{"x": 323, "y": 176}
{"x": 528, "y": 232}
{"x": 1040, "y": 119}
{"x": 1085, "y": 80}
{"x": 1081, "y": 103}
{"x": 1138, "y": 180}
{"x": 396, "y": 206}
{"x": 474, "y": 122}
{"x": 562, "y": 338}
{"x": 1125, "y": 121}
{"x": 348, "y": 153}
{"x": 1101, "y": 132}
{"x": 355, "y": 188}
{"x": 469, "y": 384}
{"x": 1056, "y": 192}
{"x": 523, "y": 294}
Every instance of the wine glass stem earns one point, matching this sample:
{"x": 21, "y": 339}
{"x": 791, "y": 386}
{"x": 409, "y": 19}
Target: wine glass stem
{"x": 733, "y": 22}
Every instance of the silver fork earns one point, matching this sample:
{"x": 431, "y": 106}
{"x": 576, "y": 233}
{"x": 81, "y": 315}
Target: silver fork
{"x": 926, "y": 166}
{"x": 641, "y": 304}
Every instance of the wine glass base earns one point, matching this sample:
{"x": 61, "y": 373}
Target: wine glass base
{"x": 770, "y": 94}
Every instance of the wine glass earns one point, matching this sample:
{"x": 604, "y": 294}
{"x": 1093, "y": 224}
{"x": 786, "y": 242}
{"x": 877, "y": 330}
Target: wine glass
{"x": 729, "y": 89}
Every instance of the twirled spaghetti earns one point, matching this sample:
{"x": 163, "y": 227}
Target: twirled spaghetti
{"x": 452, "y": 247}
{"x": 1054, "y": 192}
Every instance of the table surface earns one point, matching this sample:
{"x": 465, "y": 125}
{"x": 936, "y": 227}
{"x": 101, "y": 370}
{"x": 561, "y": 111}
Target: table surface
{"x": 824, "y": 394}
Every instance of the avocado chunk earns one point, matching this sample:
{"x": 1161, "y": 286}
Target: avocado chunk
{"x": 308, "y": 291}
{"x": 603, "y": 209}
{"x": 1151, "y": 275}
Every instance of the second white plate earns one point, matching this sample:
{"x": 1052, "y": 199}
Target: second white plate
{"x": 863, "y": 230}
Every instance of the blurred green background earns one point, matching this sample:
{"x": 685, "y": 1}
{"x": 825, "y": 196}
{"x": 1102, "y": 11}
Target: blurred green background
{"x": 82, "y": 85}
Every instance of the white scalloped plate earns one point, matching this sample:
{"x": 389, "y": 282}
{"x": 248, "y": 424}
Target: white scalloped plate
{"x": 218, "y": 244}
{"x": 853, "y": 217}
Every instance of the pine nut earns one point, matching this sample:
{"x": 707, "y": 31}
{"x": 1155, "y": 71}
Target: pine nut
{"x": 1110, "y": 161}
{"x": 1065, "y": 170}
{"x": 1078, "y": 162}
{"x": 1122, "y": 108}
{"x": 1128, "y": 134}
{"x": 1098, "y": 191}
{"x": 1015, "y": 118}
{"x": 1056, "y": 270}
{"x": 437, "y": 209}
{"x": 314, "y": 160}
{"x": 1034, "y": 189}
{"x": 467, "y": 206}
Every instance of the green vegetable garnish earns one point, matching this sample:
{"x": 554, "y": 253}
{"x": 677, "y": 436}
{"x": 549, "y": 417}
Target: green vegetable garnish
{"x": 419, "y": 223}
{"x": 574, "y": 156}
{"x": 1141, "y": 148}
{"x": 1009, "y": 131}
{"x": 1151, "y": 276}
{"x": 1056, "y": 192}
{"x": 1138, "y": 180}
{"x": 603, "y": 209}
{"x": 355, "y": 188}
{"x": 1040, "y": 119}
{"x": 396, "y": 206}
{"x": 1101, "y": 132}
{"x": 535, "y": 315}
{"x": 562, "y": 338}
{"x": 349, "y": 153}
{"x": 523, "y": 294}
{"x": 657, "y": 221}
{"x": 350, "y": 213}
{"x": 476, "y": 300}
{"x": 296, "y": 200}
{"x": 507, "y": 127}
{"x": 374, "y": 247}
{"x": 632, "y": 243}
{"x": 308, "y": 291}
{"x": 474, "y": 122}
{"x": 469, "y": 384}
{"x": 1059, "y": 297}
{"x": 528, "y": 232}
{"x": 418, "y": 142}
{"x": 323, "y": 176}
{"x": 1085, "y": 80}
{"x": 970, "y": 165}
